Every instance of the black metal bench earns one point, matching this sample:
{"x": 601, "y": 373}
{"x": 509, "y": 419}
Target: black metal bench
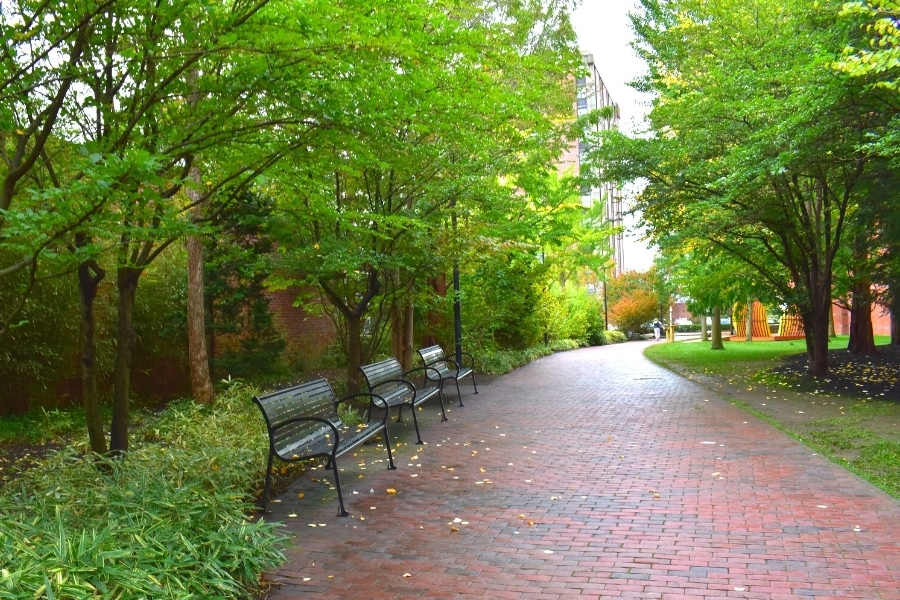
{"x": 447, "y": 369}
{"x": 387, "y": 379}
{"x": 303, "y": 423}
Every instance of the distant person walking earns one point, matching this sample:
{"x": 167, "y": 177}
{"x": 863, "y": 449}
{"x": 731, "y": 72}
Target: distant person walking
{"x": 657, "y": 329}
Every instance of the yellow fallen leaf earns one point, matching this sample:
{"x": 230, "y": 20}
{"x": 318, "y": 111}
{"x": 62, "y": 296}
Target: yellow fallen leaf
{"x": 391, "y": 491}
{"x": 407, "y": 575}
{"x": 301, "y": 495}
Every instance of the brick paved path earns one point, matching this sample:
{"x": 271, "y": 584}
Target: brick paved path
{"x": 591, "y": 473}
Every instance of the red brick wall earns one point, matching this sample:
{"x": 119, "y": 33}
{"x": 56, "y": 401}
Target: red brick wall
{"x": 881, "y": 321}
{"x": 308, "y": 336}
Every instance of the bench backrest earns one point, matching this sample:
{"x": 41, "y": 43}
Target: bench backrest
{"x": 385, "y": 370}
{"x": 311, "y": 399}
{"x": 434, "y": 356}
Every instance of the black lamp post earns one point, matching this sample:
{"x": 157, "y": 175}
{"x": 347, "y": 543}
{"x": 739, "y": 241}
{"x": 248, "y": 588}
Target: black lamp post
{"x": 457, "y": 307}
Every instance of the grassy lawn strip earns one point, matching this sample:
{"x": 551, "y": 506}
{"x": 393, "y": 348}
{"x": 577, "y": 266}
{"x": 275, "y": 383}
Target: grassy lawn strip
{"x": 859, "y": 433}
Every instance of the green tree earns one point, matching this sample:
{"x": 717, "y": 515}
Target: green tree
{"x": 755, "y": 144}
{"x": 450, "y": 99}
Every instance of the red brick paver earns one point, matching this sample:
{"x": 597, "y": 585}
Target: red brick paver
{"x": 591, "y": 473}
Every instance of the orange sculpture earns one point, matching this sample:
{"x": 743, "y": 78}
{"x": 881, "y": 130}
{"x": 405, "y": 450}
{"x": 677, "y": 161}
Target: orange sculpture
{"x": 760, "y": 323}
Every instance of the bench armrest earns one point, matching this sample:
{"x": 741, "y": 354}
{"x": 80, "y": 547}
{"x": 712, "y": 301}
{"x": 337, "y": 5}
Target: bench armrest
{"x": 374, "y": 399}
{"x": 407, "y": 383}
{"x": 427, "y": 373}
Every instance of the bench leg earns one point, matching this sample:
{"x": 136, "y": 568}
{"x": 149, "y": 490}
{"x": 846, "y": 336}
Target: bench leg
{"x": 441, "y": 400}
{"x": 458, "y": 393}
{"x": 265, "y": 496}
{"x": 415, "y": 422}
{"x": 472, "y": 375}
{"x": 387, "y": 443}
{"x": 337, "y": 484}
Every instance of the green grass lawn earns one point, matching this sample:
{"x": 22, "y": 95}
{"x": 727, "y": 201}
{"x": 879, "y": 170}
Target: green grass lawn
{"x": 698, "y": 357}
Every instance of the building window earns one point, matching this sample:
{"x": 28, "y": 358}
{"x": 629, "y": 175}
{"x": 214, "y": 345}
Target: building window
{"x": 580, "y": 81}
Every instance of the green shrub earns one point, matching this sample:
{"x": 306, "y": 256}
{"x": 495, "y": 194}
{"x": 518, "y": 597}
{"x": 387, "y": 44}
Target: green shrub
{"x": 503, "y": 361}
{"x": 169, "y": 520}
{"x": 614, "y": 336}
{"x": 578, "y": 316}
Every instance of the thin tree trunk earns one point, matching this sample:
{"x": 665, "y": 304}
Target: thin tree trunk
{"x": 831, "y": 332}
{"x": 354, "y": 353}
{"x": 895, "y": 318}
{"x": 89, "y": 277}
{"x": 749, "y": 322}
{"x": 198, "y": 357}
{"x": 127, "y": 281}
{"x": 717, "y": 330}
{"x": 397, "y": 332}
{"x": 409, "y": 314}
{"x": 704, "y": 331}
{"x": 201, "y": 384}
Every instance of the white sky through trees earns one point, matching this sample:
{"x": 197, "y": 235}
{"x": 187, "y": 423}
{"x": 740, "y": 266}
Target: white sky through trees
{"x": 604, "y": 30}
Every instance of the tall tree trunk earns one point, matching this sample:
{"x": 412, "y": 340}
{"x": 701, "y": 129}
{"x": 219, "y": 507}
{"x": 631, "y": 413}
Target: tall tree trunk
{"x": 748, "y": 322}
{"x": 815, "y": 323}
{"x": 895, "y": 317}
{"x": 435, "y": 319}
{"x": 402, "y": 313}
{"x": 89, "y": 277}
{"x": 717, "y": 330}
{"x": 862, "y": 336}
{"x": 354, "y": 352}
{"x": 127, "y": 282}
{"x": 831, "y": 332}
{"x": 704, "y": 331}
{"x": 397, "y": 332}
{"x": 201, "y": 384}
{"x": 409, "y": 314}
{"x": 198, "y": 358}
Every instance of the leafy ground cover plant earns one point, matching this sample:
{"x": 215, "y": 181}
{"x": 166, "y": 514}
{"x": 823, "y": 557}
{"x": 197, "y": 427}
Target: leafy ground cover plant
{"x": 172, "y": 519}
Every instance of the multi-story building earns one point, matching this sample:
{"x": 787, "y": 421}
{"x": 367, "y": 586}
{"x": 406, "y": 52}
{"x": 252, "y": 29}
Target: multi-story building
{"x": 592, "y": 94}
